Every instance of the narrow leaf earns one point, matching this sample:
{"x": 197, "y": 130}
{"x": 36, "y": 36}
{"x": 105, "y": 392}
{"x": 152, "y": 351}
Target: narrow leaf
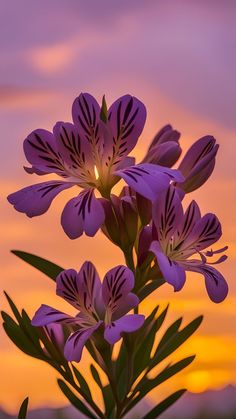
{"x": 172, "y": 329}
{"x": 82, "y": 382}
{"x": 146, "y": 384}
{"x": 75, "y": 401}
{"x": 175, "y": 341}
{"x": 17, "y": 336}
{"x": 109, "y": 402}
{"x": 48, "y": 268}
{"x": 164, "y": 405}
{"x": 96, "y": 375}
{"x": 149, "y": 288}
{"x": 13, "y": 307}
{"x": 143, "y": 351}
{"x": 23, "y": 409}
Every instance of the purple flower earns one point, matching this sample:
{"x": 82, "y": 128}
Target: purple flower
{"x": 55, "y": 334}
{"x": 198, "y": 163}
{"x": 179, "y": 236}
{"x": 121, "y": 220}
{"x": 91, "y": 153}
{"x": 105, "y": 304}
{"x": 164, "y": 148}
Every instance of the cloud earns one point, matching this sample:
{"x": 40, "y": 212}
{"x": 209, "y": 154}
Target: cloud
{"x": 52, "y": 59}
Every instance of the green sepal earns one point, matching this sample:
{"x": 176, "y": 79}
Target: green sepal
{"x": 23, "y": 409}
{"x": 48, "y": 268}
{"x": 165, "y": 404}
{"x": 103, "y": 113}
{"x": 74, "y": 400}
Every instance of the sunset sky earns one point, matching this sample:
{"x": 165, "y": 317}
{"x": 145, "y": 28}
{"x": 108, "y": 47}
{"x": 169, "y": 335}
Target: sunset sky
{"x": 178, "y": 57}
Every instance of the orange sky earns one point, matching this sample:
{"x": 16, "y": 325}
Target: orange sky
{"x": 177, "y": 58}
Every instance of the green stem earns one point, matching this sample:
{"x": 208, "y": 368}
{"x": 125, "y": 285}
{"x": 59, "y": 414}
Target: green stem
{"x": 129, "y": 259}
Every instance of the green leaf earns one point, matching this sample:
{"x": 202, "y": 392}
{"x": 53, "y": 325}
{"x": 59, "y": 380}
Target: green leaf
{"x": 144, "y": 348}
{"x": 30, "y": 331}
{"x": 175, "y": 341}
{"x": 23, "y": 409}
{"x": 48, "y": 268}
{"x": 13, "y": 307}
{"x": 172, "y": 329}
{"x": 120, "y": 363}
{"x": 106, "y": 390}
{"x": 164, "y": 405}
{"x": 109, "y": 402}
{"x": 148, "y": 384}
{"x": 96, "y": 375}
{"x": 103, "y": 113}
{"x": 74, "y": 400}
{"x": 82, "y": 382}
{"x": 17, "y": 336}
{"x": 149, "y": 288}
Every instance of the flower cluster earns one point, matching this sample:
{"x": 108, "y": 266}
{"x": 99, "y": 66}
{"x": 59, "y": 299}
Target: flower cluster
{"x": 100, "y": 305}
{"x": 147, "y": 218}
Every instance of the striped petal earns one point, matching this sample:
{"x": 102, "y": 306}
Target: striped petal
{"x": 36, "y": 199}
{"x": 84, "y": 213}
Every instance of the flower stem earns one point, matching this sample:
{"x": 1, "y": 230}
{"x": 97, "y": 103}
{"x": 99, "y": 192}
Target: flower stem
{"x": 129, "y": 259}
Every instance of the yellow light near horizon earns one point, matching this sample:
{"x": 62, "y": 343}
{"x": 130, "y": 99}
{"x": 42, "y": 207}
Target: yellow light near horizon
{"x": 198, "y": 381}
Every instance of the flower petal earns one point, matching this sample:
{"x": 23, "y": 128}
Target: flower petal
{"x": 126, "y": 119}
{"x": 81, "y": 290}
{"x": 166, "y": 133}
{"x": 46, "y": 315}
{"x": 84, "y": 213}
{"x": 198, "y": 163}
{"x": 126, "y": 324}
{"x": 165, "y": 154}
{"x": 117, "y": 284}
{"x": 205, "y": 232}
{"x": 145, "y": 240}
{"x": 216, "y": 285}
{"x": 189, "y": 219}
{"x": 41, "y": 150}
{"x": 75, "y": 150}
{"x": 167, "y": 214}
{"x": 76, "y": 341}
{"x": 68, "y": 287}
{"x": 172, "y": 272}
{"x": 129, "y": 302}
{"x": 148, "y": 179}
{"x": 86, "y": 116}
{"x": 36, "y": 199}
{"x": 196, "y": 152}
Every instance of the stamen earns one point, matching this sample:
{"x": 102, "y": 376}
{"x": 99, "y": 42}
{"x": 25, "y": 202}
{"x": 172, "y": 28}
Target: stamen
{"x": 96, "y": 172}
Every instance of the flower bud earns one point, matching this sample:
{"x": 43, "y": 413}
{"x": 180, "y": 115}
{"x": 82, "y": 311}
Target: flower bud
{"x": 55, "y": 338}
{"x": 198, "y": 163}
{"x": 121, "y": 219}
{"x": 164, "y": 148}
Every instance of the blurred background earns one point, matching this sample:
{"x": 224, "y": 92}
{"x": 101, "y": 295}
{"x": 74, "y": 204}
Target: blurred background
{"x": 179, "y": 58}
